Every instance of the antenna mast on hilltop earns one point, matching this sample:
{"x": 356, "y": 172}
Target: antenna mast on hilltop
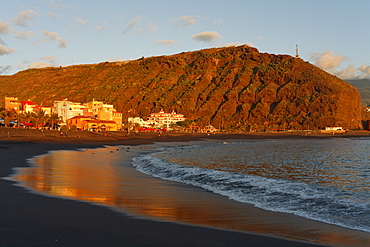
{"x": 296, "y": 51}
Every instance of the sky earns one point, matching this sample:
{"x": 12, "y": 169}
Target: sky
{"x": 331, "y": 34}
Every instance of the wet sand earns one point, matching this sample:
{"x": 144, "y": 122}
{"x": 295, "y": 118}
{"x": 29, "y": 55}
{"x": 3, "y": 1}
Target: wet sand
{"x": 30, "y": 219}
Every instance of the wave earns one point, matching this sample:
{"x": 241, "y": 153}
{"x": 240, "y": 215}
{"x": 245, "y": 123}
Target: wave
{"x": 325, "y": 204}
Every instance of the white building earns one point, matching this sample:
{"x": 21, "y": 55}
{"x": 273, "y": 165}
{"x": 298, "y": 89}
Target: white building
{"x": 166, "y": 120}
{"x": 158, "y": 120}
{"x": 67, "y": 109}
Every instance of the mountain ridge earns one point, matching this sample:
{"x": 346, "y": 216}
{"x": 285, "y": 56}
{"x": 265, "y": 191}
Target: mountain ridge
{"x": 235, "y": 88}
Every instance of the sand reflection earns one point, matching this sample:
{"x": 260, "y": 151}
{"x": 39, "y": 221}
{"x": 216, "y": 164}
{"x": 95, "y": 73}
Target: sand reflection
{"x": 105, "y": 176}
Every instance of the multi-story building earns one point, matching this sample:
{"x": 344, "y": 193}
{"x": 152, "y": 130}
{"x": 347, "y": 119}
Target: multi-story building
{"x": 67, "y": 109}
{"x": 12, "y": 103}
{"x": 166, "y": 120}
{"x": 99, "y": 125}
{"x": 117, "y": 117}
{"x": 159, "y": 120}
{"x": 100, "y": 116}
{"x": 94, "y": 107}
{"x": 27, "y": 106}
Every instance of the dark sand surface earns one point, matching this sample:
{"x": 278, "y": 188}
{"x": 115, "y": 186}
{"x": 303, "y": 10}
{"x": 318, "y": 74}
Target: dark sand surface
{"x": 30, "y": 219}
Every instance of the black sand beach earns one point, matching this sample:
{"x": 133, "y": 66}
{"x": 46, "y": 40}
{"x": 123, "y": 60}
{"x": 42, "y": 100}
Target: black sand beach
{"x": 30, "y": 219}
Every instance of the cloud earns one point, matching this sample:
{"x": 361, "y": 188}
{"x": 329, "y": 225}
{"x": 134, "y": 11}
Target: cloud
{"x": 150, "y": 27}
{"x": 23, "y": 35}
{"x": 38, "y": 65}
{"x": 184, "y": 21}
{"x": 57, "y": 7}
{"x": 48, "y": 61}
{"x": 4, "y": 28}
{"x": 23, "y": 17}
{"x": 132, "y": 24}
{"x": 102, "y": 27}
{"x": 52, "y": 15}
{"x": 55, "y": 36}
{"x": 82, "y": 22}
{"x": 118, "y": 59}
{"x": 331, "y": 62}
{"x": 350, "y": 72}
{"x": 365, "y": 71}
{"x": 207, "y": 36}
{"x": 232, "y": 44}
{"x": 218, "y": 22}
{"x": 6, "y": 51}
{"x": 327, "y": 60}
{"x": 4, "y": 70}
{"x": 166, "y": 42}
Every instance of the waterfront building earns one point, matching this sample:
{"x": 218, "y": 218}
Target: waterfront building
{"x": 11, "y": 103}
{"x": 166, "y": 120}
{"x": 67, "y": 109}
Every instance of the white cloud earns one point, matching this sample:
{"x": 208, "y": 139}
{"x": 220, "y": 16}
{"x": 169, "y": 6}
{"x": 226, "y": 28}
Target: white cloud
{"x": 166, "y": 42}
{"x": 132, "y": 24}
{"x": 365, "y": 71}
{"x": 331, "y": 62}
{"x": 102, "y": 27}
{"x": 184, "y": 21}
{"x": 6, "y": 51}
{"x": 23, "y": 34}
{"x": 349, "y": 72}
{"x": 23, "y": 17}
{"x": 81, "y": 22}
{"x": 207, "y": 36}
{"x": 4, "y": 28}
{"x": 55, "y": 36}
{"x": 150, "y": 27}
{"x": 218, "y": 22}
{"x": 232, "y": 44}
{"x": 238, "y": 44}
{"x": 52, "y": 15}
{"x": 153, "y": 28}
{"x": 4, "y": 69}
{"x": 118, "y": 59}
{"x": 59, "y": 7}
{"x": 327, "y": 60}
{"x": 38, "y": 65}
{"x": 48, "y": 61}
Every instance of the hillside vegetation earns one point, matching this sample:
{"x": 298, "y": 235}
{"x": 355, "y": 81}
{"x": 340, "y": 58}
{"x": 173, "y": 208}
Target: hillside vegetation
{"x": 231, "y": 88}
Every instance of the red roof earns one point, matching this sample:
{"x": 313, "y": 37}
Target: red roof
{"x": 27, "y": 103}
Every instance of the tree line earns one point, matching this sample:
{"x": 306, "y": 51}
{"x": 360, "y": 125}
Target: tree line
{"x": 39, "y": 119}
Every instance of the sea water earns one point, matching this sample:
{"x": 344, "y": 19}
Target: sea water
{"x": 325, "y": 180}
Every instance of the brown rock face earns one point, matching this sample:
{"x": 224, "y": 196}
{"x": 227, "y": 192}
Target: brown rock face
{"x": 232, "y": 88}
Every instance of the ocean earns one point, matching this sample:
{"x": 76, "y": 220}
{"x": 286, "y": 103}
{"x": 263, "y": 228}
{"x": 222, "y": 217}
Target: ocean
{"x": 326, "y": 180}
{"x": 311, "y": 189}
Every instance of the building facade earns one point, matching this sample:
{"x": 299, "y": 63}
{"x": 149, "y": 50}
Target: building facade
{"x": 165, "y": 120}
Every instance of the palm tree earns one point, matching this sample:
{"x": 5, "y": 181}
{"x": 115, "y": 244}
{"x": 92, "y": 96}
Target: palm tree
{"x": 8, "y": 116}
{"x": 40, "y": 118}
{"x": 54, "y": 120}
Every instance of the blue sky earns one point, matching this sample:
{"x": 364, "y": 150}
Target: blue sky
{"x": 332, "y": 34}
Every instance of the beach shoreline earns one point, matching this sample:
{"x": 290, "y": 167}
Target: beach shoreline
{"x": 35, "y": 220}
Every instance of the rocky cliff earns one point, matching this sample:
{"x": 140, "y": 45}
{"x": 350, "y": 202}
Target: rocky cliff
{"x": 232, "y": 88}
